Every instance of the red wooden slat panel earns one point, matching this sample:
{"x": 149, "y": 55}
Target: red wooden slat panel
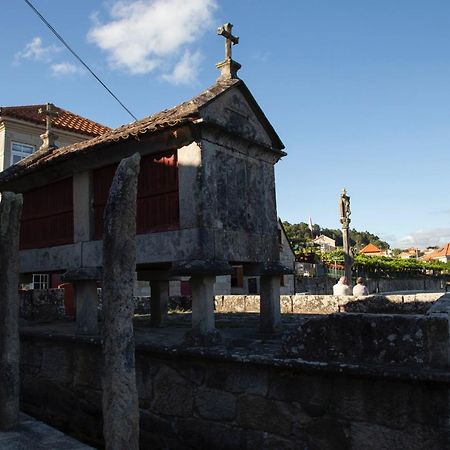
{"x": 157, "y": 199}
{"x": 47, "y": 216}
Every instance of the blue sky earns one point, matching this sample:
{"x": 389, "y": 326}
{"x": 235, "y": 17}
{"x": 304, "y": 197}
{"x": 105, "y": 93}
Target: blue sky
{"x": 359, "y": 91}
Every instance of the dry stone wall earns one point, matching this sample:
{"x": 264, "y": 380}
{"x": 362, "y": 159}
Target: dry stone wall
{"x": 328, "y": 304}
{"x": 192, "y": 399}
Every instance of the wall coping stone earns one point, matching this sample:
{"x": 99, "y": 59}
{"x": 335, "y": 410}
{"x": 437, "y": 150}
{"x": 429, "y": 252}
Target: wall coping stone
{"x": 264, "y": 358}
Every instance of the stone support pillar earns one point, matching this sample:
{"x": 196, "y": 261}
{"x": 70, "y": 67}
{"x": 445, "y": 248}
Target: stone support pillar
{"x": 84, "y": 281}
{"x": 120, "y": 398}
{"x": 10, "y": 212}
{"x": 203, "y": 276}
{"x": 270, "y": 312}
{"x": 202, "y": 291}
{"x": 85, "y": 292}
{"x": 159, "y": 303}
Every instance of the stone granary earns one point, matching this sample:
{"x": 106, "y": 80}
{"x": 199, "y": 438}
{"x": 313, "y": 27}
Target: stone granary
{"x": 206, "y": 200}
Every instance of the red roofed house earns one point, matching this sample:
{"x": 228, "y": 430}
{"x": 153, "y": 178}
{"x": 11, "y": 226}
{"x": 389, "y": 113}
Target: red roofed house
{"x": 22, "y": 126}
{"x": 443, "y": 254}
{"x": 372, "y": 250}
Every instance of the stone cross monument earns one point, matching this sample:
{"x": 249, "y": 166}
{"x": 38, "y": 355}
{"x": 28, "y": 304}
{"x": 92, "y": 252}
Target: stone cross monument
{"x": 344, "y": 209}
{"x": 228, "y": 67}
{"x": 48, "y": 138}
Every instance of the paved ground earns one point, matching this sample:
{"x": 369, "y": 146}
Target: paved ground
{"x": 34, "y": 435}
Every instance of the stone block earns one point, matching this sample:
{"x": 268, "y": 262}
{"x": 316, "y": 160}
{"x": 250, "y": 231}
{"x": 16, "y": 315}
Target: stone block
{"x": 172, "y": 394}
{"x": 375, "y": 339}
{"x": 42, "y": 306}
{"x": 247, "y": 380}
{"x": 214, "y": 404}
{"x": 263, "y": 414}
{"x": 286, "y": 304}
{"x": 315, "y": 304}
{"x": 414, "y": 437}
{"x": 200, "y": 434}
{"x": 313, "y": 393}
{"x": 252, "y": 303}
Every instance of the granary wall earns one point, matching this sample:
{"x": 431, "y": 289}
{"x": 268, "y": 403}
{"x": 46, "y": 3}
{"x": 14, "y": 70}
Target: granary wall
{"x": 192, "y": 399}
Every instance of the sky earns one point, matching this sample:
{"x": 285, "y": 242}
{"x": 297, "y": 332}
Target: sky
{"x": 357, "y": 90}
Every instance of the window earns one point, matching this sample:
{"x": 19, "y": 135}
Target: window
{"x": 40, "y": 281}
{"x": 237, "y": 277}
{"x": 20, "y": 151}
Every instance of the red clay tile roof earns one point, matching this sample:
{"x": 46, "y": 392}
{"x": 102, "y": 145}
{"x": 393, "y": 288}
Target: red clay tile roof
{"x": 371, "y": 248}
{"x": 444, "y": 251}
{"x": 187, "y": 112}
{"x": 65, "y": 120}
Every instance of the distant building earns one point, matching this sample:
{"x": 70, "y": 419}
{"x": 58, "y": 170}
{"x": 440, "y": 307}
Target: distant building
{"x": 372, "y": 250}
{"x": 21, "y": 128}
{"x": 410, "y": 253}
{"x": 326, "y": 244}
{"x": 442, "y": 254}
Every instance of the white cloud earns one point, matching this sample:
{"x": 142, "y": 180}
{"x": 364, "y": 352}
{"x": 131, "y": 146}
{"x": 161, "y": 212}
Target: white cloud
{"x": 65, "y": 68}
{"x": 35, "y": 51}
{"x": 144, "y": 35}
{"x": 185, "y": 71}
{"x": 425, "y": 238}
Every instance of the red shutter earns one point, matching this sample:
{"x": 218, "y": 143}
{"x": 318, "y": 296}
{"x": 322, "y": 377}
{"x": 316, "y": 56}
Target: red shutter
{"x": 157, "y": 200}
{"x": 47, "y": 216}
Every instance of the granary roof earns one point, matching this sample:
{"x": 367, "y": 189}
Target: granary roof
{"x": 64, "y": 120}
{"x": 370, "y": 248}
{"x": 187, "y": 112}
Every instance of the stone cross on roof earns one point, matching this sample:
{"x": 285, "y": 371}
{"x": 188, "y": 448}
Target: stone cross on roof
{"x": 228, "y": 67}
{"x": 48, "y": 137}
{"x": 225, "y": 31}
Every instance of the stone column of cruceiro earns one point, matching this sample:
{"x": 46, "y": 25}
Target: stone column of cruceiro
{"x": 344, "y": 210}
{"x": 120, "y": 399}
{"x": 10, "y": 213}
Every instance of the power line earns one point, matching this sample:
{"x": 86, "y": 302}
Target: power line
{"x": 78, "y": 57}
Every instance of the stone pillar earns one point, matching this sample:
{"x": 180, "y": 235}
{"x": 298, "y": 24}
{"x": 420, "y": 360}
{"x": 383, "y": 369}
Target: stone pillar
{"x": 270, "y": 311}
{"x": 202, "y": 291}
{"x": 85, "y": 292}
{"x": 10, "y": 212}
{"x": 84, "y": 280}
{"x": 120, "y": 399}
{"x": 159, "y": 303}
{"x": 203, "y": 276}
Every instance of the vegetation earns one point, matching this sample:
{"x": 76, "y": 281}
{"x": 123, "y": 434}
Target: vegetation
{"x": 378, "y": 266}
{"x": 301, "y": 237}
{"x": 383, "y": 266}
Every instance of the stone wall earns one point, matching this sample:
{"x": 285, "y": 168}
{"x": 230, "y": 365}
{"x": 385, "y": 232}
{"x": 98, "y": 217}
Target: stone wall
{"x": 328, "y": 304}
{"x": 372, "y": 339}
{"x": 45, "y": 305}
{"x": 195, "y": 399}
{"x": 324, "y": 285}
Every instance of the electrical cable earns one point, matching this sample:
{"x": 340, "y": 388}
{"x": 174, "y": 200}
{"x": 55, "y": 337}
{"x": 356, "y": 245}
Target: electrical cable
{"x": 78, "y": 57}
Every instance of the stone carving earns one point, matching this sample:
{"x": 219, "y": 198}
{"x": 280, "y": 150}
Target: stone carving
{"x": 120, "y": 400}
{"x": 344, "y": 209}
{"x": 49, "y": 137}
{"x": 10, "y": 212}
{"x": 228, "y": 67}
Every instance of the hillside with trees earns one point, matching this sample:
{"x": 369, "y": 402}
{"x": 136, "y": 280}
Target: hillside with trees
{"x": 301, "y": 237}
